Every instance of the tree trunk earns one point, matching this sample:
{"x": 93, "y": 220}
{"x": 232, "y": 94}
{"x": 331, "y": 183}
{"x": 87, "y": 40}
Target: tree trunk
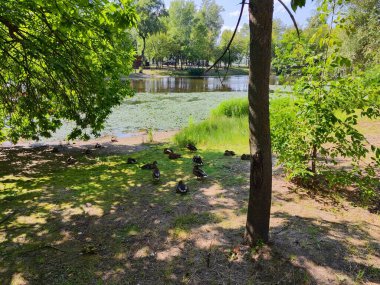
{"x": 260, "y": 23}
{"x": 143, "y": 50}
{"x": 314, "y": 159}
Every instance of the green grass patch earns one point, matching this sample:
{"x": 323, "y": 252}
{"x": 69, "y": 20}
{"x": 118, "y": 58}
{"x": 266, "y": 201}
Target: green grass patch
{"x": 188, "y": 221}
{"x": 227, "y": 127}
{"x": 236, "y": 107}
{"x": 130, "y": 230}
{"x": 217, "y": 132}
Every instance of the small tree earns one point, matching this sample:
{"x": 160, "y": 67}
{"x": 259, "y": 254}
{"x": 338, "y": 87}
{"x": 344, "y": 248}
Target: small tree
{"x": 327, "y": 105}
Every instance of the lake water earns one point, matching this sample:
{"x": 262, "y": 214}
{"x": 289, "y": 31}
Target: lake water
{"x": 167, "y": 103}
{"x": 193, "y": 84}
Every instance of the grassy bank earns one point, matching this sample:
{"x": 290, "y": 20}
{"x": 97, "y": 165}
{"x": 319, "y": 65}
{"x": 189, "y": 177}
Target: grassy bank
{"x": 227, "y": 126}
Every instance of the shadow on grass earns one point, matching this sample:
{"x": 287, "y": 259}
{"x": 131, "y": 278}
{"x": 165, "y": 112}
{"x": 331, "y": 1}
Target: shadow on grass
{"x": 345, "y": 248}
{"x": 104, "y": 221}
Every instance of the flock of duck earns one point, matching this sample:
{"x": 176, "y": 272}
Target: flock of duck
{"x": 181, "y": 186}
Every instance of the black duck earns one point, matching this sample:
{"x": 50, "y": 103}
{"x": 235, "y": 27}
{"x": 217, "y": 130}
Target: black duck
{"x": 131, "y": 160}
{"x": 229, "y": 153}
{"x": 156, "y": 173}
{"x": 198, "y": 172}
{"x": 148, "y": 166}
{"x": 245, "y": 157}
{"x": 168, "y": 151}
{"x": 182, "y": 188}
{"x": 71, "y": 160}
{"x": 191, "y": 147}
{"x": 174, "y": 155}
{"x": 197, "y": 160}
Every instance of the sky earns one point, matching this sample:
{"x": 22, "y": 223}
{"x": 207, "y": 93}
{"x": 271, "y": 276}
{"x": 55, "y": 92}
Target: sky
{"x": 232, "y": 9}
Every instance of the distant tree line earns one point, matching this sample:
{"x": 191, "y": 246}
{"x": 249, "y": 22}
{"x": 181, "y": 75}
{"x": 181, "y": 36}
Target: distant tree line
{"x": 184, "y": 35}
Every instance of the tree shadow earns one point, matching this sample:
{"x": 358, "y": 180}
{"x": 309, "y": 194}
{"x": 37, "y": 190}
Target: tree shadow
{"x": 104, "y": 221}
{"x": 329, "y": 248}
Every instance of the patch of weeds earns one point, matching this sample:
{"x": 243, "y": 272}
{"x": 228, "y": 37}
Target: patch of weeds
{"x": 242, "y": 211}
{"x": 150, "y": 135}
{"x": 359, "y": 276}
{"x": 259, "y": 245}
{"x": 130, "y": 230}
{"x": 186, "y": 222}
{"x": 235, "y": 180}
{"x": 168, "y": 209}
{"x": 313, "y": 231}
{"x": 168, "y": 271}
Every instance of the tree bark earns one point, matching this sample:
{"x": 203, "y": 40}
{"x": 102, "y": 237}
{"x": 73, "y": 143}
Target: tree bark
{"x": 314, "y": 159}
{"x": 260, "y": 23}
{"x": 143, "y": 49}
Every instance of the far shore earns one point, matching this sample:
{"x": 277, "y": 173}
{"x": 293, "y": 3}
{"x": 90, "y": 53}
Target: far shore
{"x": 170, "y": 71}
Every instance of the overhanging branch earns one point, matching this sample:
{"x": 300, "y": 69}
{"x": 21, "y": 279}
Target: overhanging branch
{"x": 232, "y": 38}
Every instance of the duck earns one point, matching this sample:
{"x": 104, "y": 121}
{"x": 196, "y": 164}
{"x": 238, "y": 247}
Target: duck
{"x": 114, "y": 139}
{"x": 174, "y": 155}
{"x": 98, "y": 145}
{"x": 191, "y": 147}
{"x": 182, "y": 188}
{"x": 71, "y": 160}
{"x": 229, "y": 153}
{"x": 156, "y": 173}
{"x": 245, "y": 157}
{"x": 131, "y": 160}
{"x": 152, "y": 165}
{"x": 168, "y": 151}
{"x": 198, "y": 172}
{"x": 197, "y": 160}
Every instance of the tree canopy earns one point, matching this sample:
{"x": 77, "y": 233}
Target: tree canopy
{"x": 150, "y": 13}
{"x": 62, "y": 60}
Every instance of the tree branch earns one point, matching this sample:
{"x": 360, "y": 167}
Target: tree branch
{"x": 291, "y": 16}
{"x": 232, "y": 38}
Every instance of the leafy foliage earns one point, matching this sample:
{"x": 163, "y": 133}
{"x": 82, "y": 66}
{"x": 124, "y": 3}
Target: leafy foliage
{"x": 150, "y": 14}
{"x": 62, "y": 61}
{"x": 319, "y": 123}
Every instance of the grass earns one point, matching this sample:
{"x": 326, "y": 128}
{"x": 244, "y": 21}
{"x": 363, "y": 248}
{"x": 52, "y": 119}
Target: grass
{"x": 227, "y": 126}
{"x": 236, "y": 107}
{"x": 217, "y": 133}
{"x": 99, "y": 200}
{"x": 103, "y": 202}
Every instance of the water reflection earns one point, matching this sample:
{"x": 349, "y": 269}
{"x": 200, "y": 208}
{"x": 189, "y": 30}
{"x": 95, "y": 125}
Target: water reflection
{"x": 191, "y": 84}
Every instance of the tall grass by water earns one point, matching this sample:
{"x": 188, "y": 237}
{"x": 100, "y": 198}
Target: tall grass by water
{"x": 227, "y": 125}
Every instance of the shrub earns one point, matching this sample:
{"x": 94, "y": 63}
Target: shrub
{"x": 195, "y": 71}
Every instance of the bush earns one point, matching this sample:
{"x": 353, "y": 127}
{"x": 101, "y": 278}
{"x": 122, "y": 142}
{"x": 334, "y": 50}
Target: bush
{"x": 195, "y": 71}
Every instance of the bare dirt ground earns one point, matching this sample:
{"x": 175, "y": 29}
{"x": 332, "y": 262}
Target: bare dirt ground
{"x": 100, "y": 222}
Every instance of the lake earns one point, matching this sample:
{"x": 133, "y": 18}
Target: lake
{"x": 167, "y": 103}
{"x": 167, "y": 84}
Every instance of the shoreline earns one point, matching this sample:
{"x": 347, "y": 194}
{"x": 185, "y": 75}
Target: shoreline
{"x": 129, "y": 139}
